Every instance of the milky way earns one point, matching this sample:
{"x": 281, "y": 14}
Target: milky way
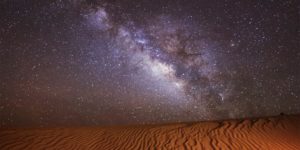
{"x": 142, "y": 62}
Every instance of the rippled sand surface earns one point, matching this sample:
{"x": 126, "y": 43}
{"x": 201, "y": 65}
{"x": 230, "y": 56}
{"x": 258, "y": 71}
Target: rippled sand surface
{"x": 281, "y": 132}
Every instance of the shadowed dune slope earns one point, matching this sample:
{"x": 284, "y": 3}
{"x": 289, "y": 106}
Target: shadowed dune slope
{"x": 282, "y": 132}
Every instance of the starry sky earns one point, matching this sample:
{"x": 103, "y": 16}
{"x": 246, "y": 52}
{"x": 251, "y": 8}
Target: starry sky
{"x": 120, "y": 62}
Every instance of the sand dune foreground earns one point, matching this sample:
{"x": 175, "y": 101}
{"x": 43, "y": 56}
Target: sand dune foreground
{"x": 281, "y": 132}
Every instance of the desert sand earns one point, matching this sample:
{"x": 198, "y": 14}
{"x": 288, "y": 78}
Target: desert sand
{"x": 271, "y": 133}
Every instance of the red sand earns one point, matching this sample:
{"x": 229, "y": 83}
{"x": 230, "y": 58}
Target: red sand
{"x": 282, "y": 132}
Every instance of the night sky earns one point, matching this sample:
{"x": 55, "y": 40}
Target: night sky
{"x": 118, "y": 62}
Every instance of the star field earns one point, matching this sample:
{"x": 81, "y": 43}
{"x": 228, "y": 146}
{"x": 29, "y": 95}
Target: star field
{"x": 147, "y": 62}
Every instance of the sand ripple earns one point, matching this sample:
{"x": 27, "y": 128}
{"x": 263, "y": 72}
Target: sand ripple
{"x": 282, "y": 133}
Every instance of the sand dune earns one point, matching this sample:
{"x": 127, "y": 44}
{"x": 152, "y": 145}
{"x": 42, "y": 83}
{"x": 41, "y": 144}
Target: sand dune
{"x": 282, "y": 132}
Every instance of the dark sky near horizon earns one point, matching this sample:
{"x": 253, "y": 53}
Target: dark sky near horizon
{"x": 66, "y": 63}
